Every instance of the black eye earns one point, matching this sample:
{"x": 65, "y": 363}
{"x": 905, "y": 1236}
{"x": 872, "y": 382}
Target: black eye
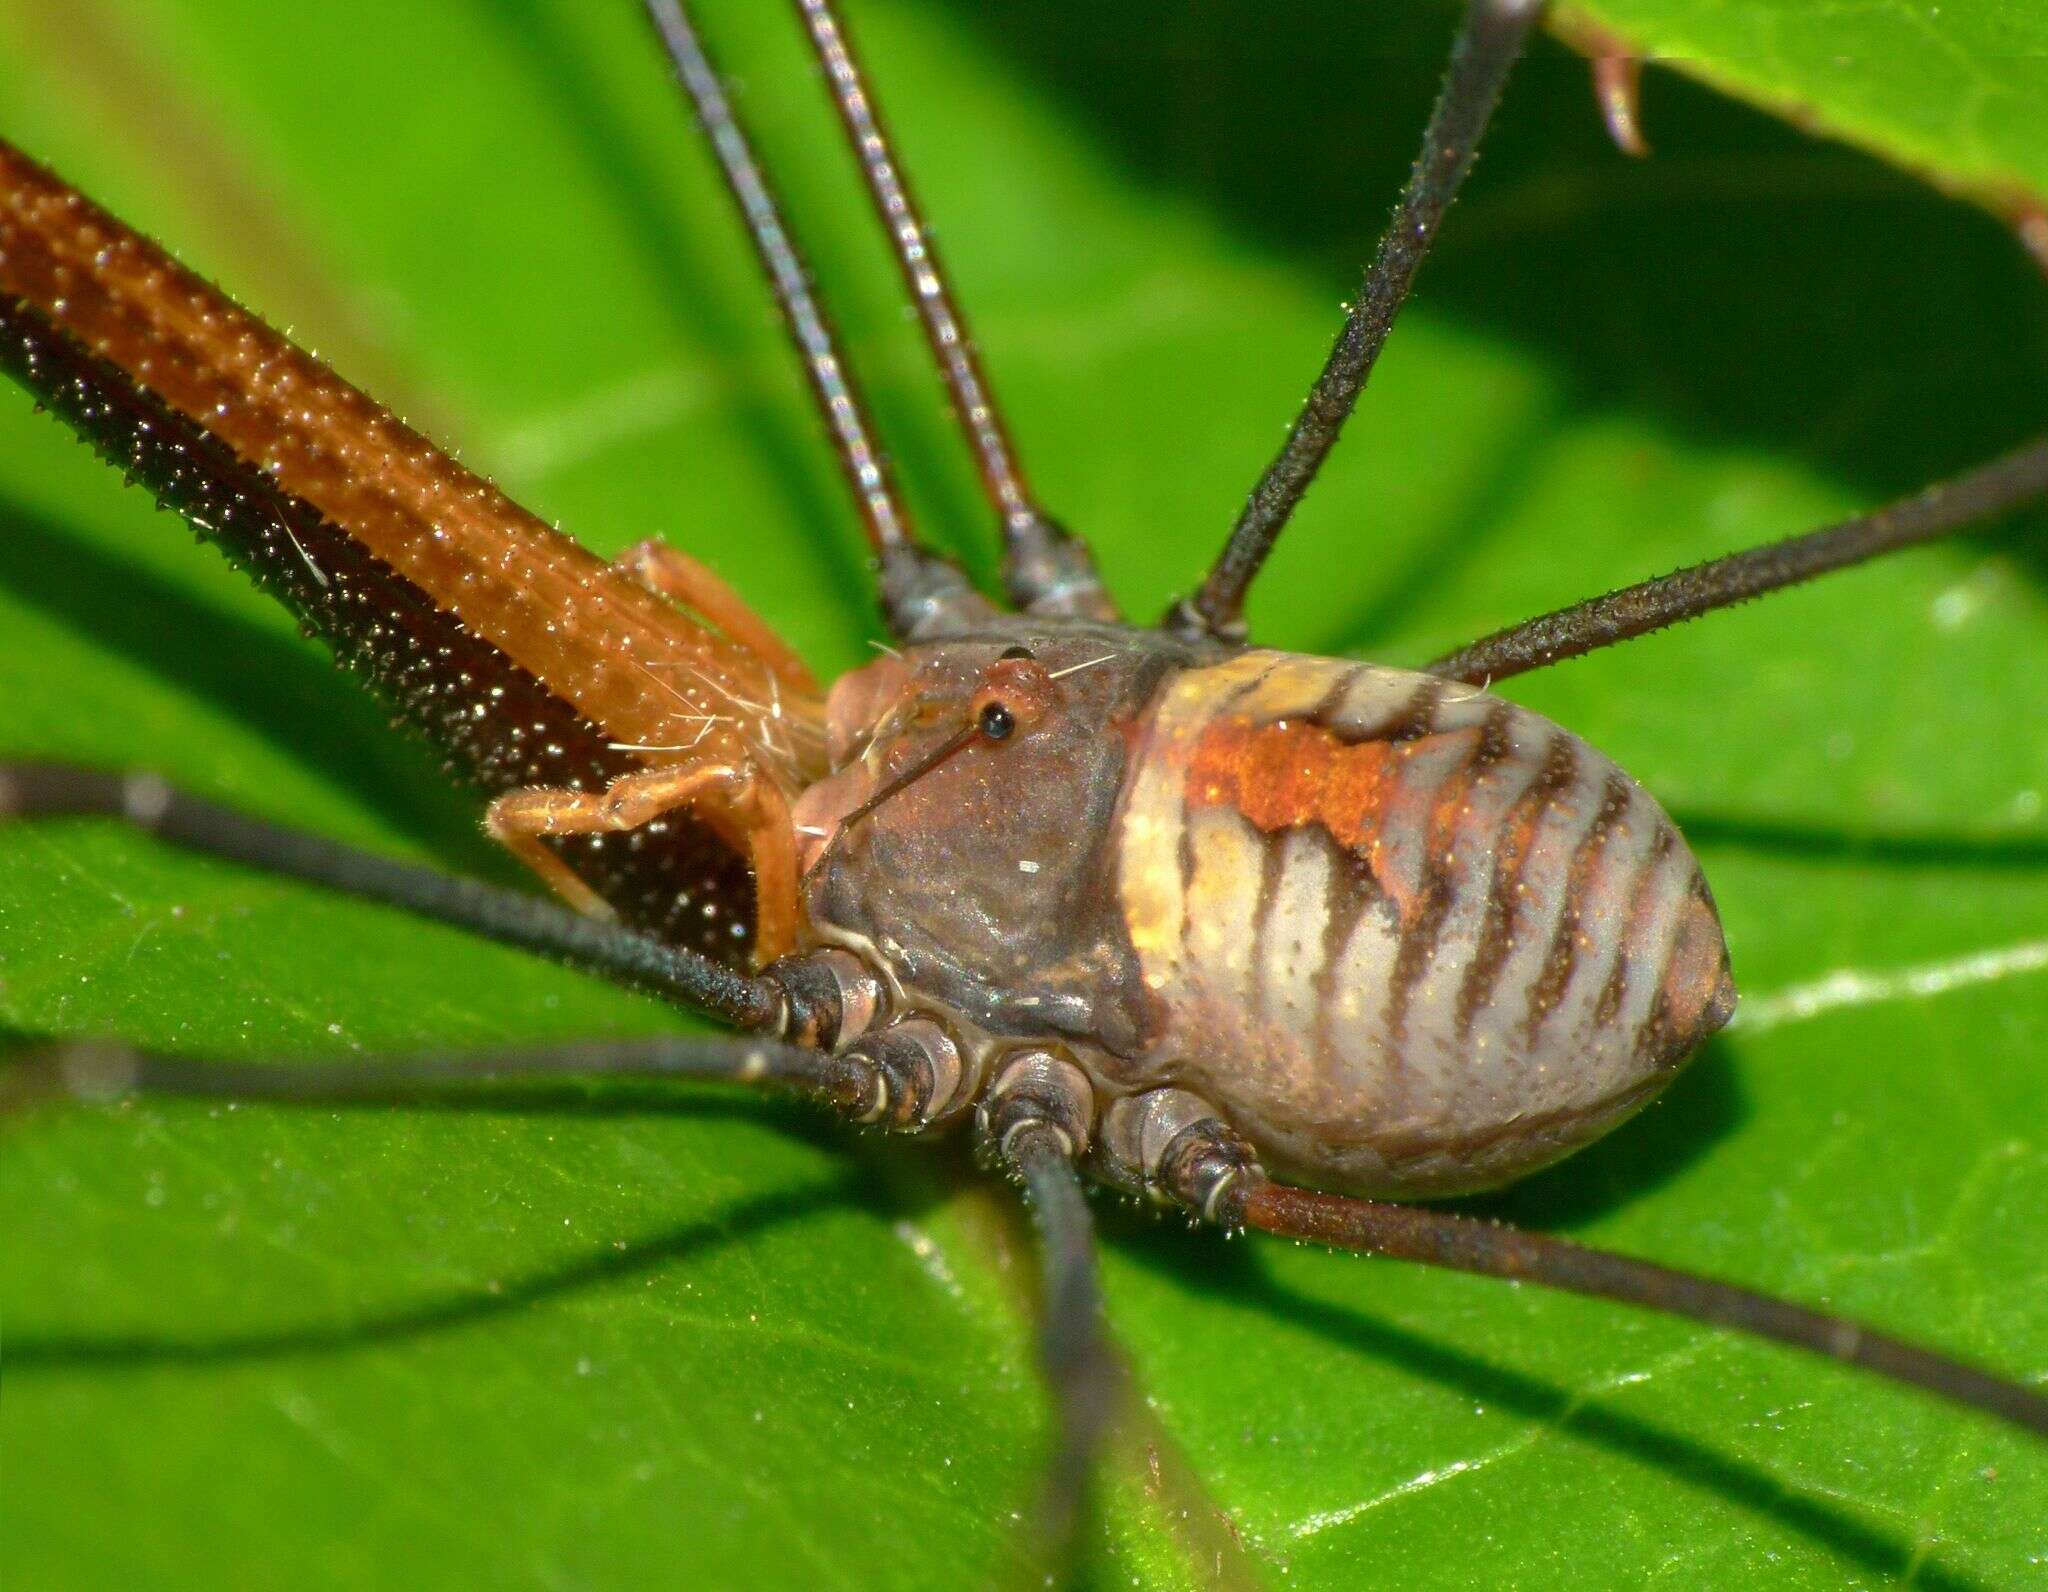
{"x": 997, "y": 722}
{"x": 1019, "y": 652}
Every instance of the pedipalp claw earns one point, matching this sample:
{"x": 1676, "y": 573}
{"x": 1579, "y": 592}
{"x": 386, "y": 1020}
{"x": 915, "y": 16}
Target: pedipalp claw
{"x": 1618, "y": 87}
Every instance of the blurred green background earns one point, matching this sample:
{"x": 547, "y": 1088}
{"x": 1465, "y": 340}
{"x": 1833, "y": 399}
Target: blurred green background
{"x": 711, "y": 1343}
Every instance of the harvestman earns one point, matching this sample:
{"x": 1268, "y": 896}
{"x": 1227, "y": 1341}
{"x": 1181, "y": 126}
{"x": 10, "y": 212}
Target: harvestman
{"x": 1272, "y": 939}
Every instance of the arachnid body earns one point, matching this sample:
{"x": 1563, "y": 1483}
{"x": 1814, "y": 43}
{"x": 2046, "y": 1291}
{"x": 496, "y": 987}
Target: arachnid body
{"x": 910, "y": 796}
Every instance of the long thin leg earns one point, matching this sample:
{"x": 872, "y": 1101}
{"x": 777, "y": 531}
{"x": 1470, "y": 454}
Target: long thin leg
{"x": 1205, "y": 1168}
{"x": 1949, "y": 506}
{"x": 1439, "y": 1238}
{"x": 1047, "y": 570}
{"x": 1490, "y": 40}
{"x": 1080, "y": 1368}
{"x": 53, "y": 790}
{"x": 921, "y": 592}
{"x": 98, "y": 1070}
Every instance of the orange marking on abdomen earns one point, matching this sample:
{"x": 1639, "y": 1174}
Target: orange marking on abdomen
{"x": 1282, "y": 774}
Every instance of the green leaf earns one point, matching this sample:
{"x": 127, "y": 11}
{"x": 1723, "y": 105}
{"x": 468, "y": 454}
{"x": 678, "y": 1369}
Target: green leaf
{"x": 1952, "y": 92}
{"x": 713, "y": 1344}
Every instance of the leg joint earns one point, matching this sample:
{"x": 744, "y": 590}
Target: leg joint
{"x": 1036, "y": 1088}
{"x": 1171, "y": 1146}
{"x": 921, "y": 1074}
{"x": 829, "y": 998}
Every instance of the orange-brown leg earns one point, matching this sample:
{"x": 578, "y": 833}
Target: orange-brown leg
{"x": 677, "y": 576}
{"x": 741, "y": 804}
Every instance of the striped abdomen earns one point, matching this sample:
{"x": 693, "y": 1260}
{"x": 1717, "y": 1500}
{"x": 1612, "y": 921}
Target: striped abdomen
{"x": 1408, "y": 937}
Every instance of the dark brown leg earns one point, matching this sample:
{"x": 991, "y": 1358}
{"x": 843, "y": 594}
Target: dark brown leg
{"x": 59, "y": 790}
{"x": 1940, "y": 510}
{"x": 1035, "y": 1121}
{"x": 922, "y": 593}
{"x": 99, "y": 1071}
{"x": 1047, "y": 570}
{"x": 1490, "y": 41}
{"x": 1438, "y": 1238}
{"x": 1212, "y": 1173}
{"x": 1080, "y": 1370}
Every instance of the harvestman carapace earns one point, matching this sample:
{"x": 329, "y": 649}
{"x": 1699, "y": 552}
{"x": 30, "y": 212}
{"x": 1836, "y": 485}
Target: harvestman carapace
{"x": 1271, "y": 939}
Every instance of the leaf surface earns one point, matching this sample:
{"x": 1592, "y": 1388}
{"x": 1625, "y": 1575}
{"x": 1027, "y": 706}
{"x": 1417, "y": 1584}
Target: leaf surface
{"x": 1952, "y": 92}
{"x": 710, "y": 1343}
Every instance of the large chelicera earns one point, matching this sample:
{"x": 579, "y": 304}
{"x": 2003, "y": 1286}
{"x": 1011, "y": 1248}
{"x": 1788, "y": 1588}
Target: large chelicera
{"x": 1267, "y": 937}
